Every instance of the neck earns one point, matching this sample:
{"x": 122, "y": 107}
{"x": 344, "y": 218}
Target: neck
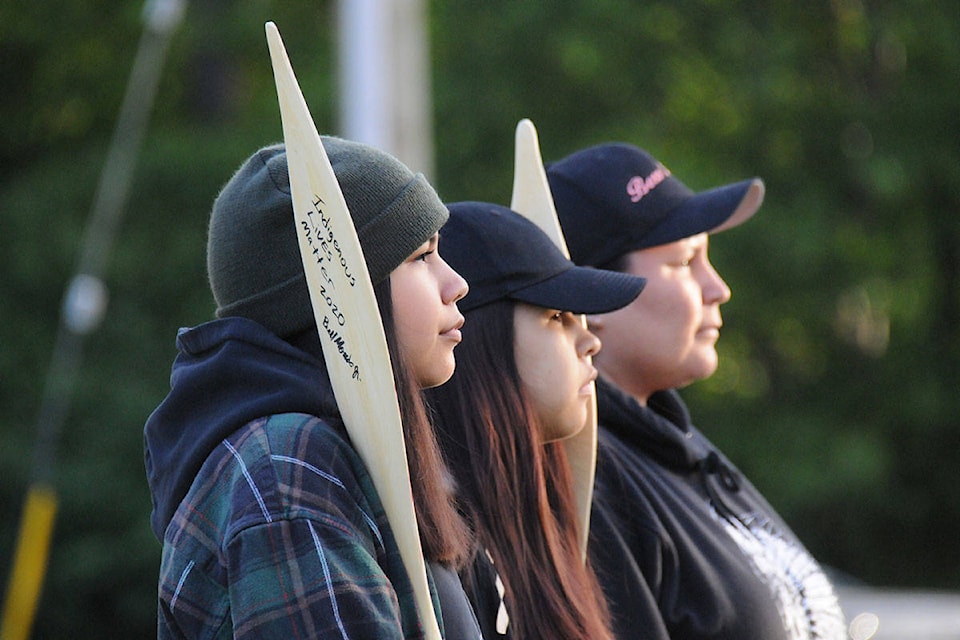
{"x": 626, "y": 382}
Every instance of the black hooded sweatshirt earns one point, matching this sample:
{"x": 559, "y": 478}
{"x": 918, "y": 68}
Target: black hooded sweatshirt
{"x": 684, "y": 546}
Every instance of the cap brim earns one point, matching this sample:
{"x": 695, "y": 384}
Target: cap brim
{"x": 583, "y": 290}
{"x": 749, "y": 204}
{"x": 709, "y": 211}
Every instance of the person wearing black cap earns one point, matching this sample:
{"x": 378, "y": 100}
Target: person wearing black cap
{"x": 522, "y": 384}
{"x": 270, "y": 523}
{"x": 684, "y": 546}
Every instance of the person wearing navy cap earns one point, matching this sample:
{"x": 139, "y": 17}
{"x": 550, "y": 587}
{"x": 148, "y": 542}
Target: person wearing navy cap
{"x": 683, "y": 544}
{"x": 523, "y": 385}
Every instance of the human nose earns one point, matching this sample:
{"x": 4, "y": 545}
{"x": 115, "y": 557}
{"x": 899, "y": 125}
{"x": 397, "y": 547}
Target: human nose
{"x": 588, "y": 344}
{"x": 715, "y": 289}
{"x": 455, "y": 287}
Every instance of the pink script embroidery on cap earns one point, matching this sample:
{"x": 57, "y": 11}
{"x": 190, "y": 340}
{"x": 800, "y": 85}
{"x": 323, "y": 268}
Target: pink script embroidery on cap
{"x": 638, "y": 187}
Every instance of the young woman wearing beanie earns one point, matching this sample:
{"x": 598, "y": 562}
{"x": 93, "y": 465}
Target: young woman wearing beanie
{"x": 271, "y": 526}
{"x": 683, "y": 544}
{"x": 523, "y": 382}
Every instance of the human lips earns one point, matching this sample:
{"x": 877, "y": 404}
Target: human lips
{"x": 587, "y": 387}
{"x": 711, "y": 321}
{"x": 453, "y": 331}
{"x": 710, "y": 330}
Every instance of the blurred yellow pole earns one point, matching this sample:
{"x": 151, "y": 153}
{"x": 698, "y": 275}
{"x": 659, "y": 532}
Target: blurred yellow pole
{"x": 30, "y": 563}
{"x": 83, "y": 308}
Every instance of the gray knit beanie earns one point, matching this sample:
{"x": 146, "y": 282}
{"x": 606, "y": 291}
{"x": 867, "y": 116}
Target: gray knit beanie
{"x": 253, "y": 259}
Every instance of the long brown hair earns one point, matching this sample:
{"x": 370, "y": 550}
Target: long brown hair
{"x": 444, "y": 534}
{"x": 516, "y": 490}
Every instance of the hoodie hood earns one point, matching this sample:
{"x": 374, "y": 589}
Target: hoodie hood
{"x": 226, "y": 374}
{"x": 663, "y": 430}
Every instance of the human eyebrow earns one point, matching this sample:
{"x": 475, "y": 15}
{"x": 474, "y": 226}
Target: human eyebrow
{"x": 428, "y": 247}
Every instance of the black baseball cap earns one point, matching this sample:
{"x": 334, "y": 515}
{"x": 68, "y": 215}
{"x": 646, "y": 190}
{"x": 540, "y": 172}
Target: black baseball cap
{"x": 502, "y": 255}
{"x": 615, "y": 198}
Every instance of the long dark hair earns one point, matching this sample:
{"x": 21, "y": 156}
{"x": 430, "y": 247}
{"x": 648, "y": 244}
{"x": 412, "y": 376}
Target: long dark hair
{"x": 515, "y": 490}
{"x": 444, "y": 535}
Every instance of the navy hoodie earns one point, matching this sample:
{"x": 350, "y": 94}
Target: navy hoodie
{"x": 228, "y": 373}
{"x": 684, "y": 546}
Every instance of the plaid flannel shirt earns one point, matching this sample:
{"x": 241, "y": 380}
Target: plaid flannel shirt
{"x": 283, "y": 535}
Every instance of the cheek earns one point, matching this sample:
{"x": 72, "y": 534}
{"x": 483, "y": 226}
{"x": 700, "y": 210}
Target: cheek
{"x": 409, "y": 331}
{"x": 548, "y": 372}
{"x": 417, "y": 342}
{"x": 670, "y": 308}
{"x": 431, "y": 360}
{"x": 650, "y": 333}
{"x": 415, "y": 308}
{"x": 529, "y": 367}
{"x": 400, "y": 304}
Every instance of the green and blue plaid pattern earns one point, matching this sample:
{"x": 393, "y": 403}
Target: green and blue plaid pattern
{"x": 283, "y": 535}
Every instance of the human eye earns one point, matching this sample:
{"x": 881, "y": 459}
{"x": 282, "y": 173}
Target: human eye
{"x": 555, "y": 316}
{"x": 694, "y": 252}
{"x": 425, "y": 250}
{"x": 686, "y": 259}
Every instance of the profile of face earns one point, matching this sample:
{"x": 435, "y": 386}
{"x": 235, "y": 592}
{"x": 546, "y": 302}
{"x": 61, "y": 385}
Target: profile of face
{"x": 552, "y": 350}
{"x": 424, "y": 294}
{"x": 667, "y": 337}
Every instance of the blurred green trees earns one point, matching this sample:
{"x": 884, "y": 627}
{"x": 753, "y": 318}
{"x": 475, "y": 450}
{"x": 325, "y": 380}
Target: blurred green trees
{"x": 840, "y": 358}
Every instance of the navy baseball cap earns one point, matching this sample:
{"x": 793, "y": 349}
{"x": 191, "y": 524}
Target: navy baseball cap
{"x": 615, "y": 198}
{"x": 502, "y": 255}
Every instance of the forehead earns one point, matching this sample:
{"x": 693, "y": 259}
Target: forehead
{"x": 669, "y": 250}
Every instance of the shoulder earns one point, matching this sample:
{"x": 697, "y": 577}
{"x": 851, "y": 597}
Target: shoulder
{"x": 281, "y": 467}
{"x": 627, "y": 476}
{"x": 305, "y": 464}
{"x": 294, "y": 443}
{"x": 620, "y": 460}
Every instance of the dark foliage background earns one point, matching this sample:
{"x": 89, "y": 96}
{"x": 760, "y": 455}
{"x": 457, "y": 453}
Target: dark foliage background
{"x": 838, "y": 387}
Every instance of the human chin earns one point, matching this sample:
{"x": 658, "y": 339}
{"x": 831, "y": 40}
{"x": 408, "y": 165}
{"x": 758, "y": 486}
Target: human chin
{"x": 704, "y": 364}
{"x": 438, "y": 371}
{"x": 567, "y": 425}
